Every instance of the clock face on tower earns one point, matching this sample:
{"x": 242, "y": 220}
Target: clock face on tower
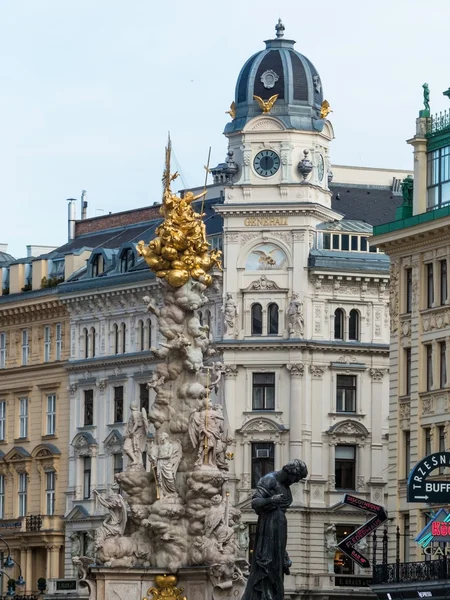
{"x": 320, "y": 167}
{"x": 266, "y": 163}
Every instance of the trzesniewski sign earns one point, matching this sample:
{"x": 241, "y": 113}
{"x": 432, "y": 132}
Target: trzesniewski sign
{"x": 421, "y": 490}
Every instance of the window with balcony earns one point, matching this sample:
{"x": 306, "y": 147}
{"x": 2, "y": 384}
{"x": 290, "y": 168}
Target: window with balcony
{"x": 25, "y": 346}
{"x": 443, "y": 282}
{"x": 22, "y": 493}
{"x": 23, "y": 417}
{"x": 2, "y": 420}
{"x": 442, "y": 364}
{"x": 407, "y": 453}
{"x": 345, "y": 467}
{"x": 407, "y": 371}
{"x": 353, "y": 325}
{"x": 144, "y": 396}
{"x": 406, "y": 538}
{"x": 262, "y": 460}
{"x": 58, "y": 341}
{"x": 438, "y": 178}
{"x": 272, "y": 319}
{"x": 2, "y": 350}
{"x": 118, "y": 404}
{"x": 429, "y": 366}
{"x": 2, "y": 496}
{"x": 47, "y": 343}
{"x": 408, "y": 278}
{"x": 430, "y": 285}
{"x": 257, "y": 321}
{"x": 346, "y": 393}
{"x": 86, "y": 477}
{"x": 339, "y": 324}
{"x": 51, "y": 414}
{"x": 263, "y": 391}
{"x": 88, "y": 407}
{"x": 50, "y": 480}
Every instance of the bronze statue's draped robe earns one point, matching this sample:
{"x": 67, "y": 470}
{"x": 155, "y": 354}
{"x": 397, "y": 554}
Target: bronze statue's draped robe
{"x": 270, "y": 560}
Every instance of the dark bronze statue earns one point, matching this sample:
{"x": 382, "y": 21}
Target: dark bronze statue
{"x": 270, "y": 560}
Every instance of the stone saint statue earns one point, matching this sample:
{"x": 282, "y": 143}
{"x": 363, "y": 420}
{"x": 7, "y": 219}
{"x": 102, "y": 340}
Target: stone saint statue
{"x": 230, "y": 314}
{"x": 165, "y": 456}
{"x": 270, "y": 560}
{"x": 243, "y": 539}
{"x": 135, "y": 441}
{"x": 115, "y": 523}
{"x": 330, "y": 545}
{"x": 207, "y": 434}
{"x": 296, "y": 321}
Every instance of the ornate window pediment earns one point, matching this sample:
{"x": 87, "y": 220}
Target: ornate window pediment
{"x": 348, "y": 432}
{"x": 113, "y": 443}
{"x": 19, "y": 458}
{"x": 262, "y": 429}
{"x": 83, "y": 443}
{"x": 47, "y": 457}
{"x": 263, "y": 285}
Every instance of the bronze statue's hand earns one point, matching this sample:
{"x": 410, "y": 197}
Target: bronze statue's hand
{"x": 277, "y": 498}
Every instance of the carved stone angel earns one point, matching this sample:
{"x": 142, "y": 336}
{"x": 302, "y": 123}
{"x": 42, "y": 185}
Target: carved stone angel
{"x": 135, "y": 441}
{"x": 165, "y": 457}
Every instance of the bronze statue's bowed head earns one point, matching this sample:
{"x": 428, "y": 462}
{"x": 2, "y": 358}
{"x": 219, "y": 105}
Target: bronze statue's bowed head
{"x": 294, "y": 471}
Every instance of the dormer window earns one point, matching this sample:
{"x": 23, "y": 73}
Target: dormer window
{"x": 98, "y": 265}
{"x": 346, "y": 242}
{"x": 127, "y": 260}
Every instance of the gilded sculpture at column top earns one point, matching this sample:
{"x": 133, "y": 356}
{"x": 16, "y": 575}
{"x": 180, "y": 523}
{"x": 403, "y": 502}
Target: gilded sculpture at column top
{"x": 180, "y": 250}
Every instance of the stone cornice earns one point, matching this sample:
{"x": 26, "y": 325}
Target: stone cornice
{"x": 281, "y": 210}
{"x": 281, "y": 345}
{"x": 27, "y": 312}
{"x": 101, "y": 296}
{"x": 100, "y": 362}
{"x": 25, "y": 370}
{"x": 403, "y": 241}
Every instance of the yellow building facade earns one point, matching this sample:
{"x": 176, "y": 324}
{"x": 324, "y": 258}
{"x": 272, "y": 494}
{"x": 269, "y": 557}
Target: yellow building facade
{"x": 34, "y": 429}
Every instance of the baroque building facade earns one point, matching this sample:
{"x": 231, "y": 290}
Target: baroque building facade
{"x": 418, "y": 244}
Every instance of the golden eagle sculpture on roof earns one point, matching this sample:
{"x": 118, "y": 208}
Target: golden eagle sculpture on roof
{"x": 232, "y": 111}
{"x": 266, "y": 105}
{"x": 325, "y": 109}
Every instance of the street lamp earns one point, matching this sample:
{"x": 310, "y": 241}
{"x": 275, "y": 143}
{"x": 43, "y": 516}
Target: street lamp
{"x": 11, "y": 591}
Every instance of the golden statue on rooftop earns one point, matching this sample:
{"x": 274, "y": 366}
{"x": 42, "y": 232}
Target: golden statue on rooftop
{"x": 180, "y": 249}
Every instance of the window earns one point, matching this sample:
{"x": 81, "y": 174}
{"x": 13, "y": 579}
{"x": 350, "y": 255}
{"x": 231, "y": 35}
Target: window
{"x": 50, "y": 492}
{"x": 2, "y": 350}
{"x": 408, "y": 273}
{"x": 406, "y": 536}
{"x": 346, "y": 393}
{"x": 208, "y": 319}
{"x": 3, "y": 420}
{"x": 25, "y": 346}
{"x": 92, "y": 336}
{"x": 126, "y": 260}
{"x": 257, "y": 319}
{"x": 22, "y": 494}
{"x": 2, "y": 496}
{"x": 343, "y": 564}
{"x": 345, "y": 467}
{"x": 124, "y": 337}
{"x": 430, "y": 285}
{"x": 144, "y": 396}
{"x": 97, "y": 265}
{"x": 339, "y": 324}
{"x": 141, "y": 335}
{"x": 438, "y": 177}
{"x": 429, "y": 351}
{"x": 117, "y": 463}
{"x": 116, "y": 338}
{"x": 443, "y": 364}
{"x": 86, "y": 342}
{"x": 262, "y": 461}
{"x": 118, "y": 404}
{"x": 149, "y": 333}
{"x": 58, "y": 341}
{"x": 252, "y": 540}
{"x": 88, "y": 407}
{"x": 23, "y": 417}
{"x": 408, "y": 371}
{"x": 272, "y": 319}
{"x": 407, "y": 453}
{"x": 427, "y": 440}
{"x": 51, "y": 414}
{"x": 443, "y": 282}
{"x": 86, "y": 477}
{"x": 47, "y": 343}
{"x": 353, "y": 325}
{"x": 263, "y": 391}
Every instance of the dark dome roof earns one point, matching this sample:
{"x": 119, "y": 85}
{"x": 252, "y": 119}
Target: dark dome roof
{"x": 6, "y": 258}
{"x": 279, "y": 69}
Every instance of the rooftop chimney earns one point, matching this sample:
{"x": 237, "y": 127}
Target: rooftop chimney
{"x": 84, "y": 205}
{"x": 71, "y": 218}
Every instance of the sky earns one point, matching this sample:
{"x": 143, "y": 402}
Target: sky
{"x": 90, "y": 88}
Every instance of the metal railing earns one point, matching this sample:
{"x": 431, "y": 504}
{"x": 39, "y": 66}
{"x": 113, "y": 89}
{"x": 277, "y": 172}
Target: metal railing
{"x": 440, "y": 122}
{"x": 34, "y": 522}
{"x": 412, "y": 572}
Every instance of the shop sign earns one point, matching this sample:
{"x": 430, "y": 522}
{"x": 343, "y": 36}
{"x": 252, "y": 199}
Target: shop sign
{"x": 437, "y": 530}
{"x": 421, "y": 490}
{"x": 348, "y": 544}
{"x": 350, "y": 581}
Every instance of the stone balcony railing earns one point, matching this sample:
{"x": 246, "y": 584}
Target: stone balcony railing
{"x": 31, "y": 523}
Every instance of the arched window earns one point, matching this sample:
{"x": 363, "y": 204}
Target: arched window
{"x": 208, "y": 319}
{"x": 86, "y": 342}
{"x": 116, "y": 338}
{"x": 339, "y": 324}
{"x": 124, "y": 337}
{"x": 97, "y": 265}
{"x": 149, "y": 333}
{"x": 272, "y": 319}
{"x": 257, "y": 319}
{"x": 92, "y": 336}
{"x": 126, "y": 260}
{"x": 141, "y": 335}
{"x": 200, "y": 317}
{"x": 353, "y": 325}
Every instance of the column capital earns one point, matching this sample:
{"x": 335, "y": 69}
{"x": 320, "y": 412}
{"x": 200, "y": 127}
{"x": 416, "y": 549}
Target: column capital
{"x": 296, "y": 369}
{"x": 378, "y": 373}
{"x": 231, "y": 371}
{"x": 317, "y": 370}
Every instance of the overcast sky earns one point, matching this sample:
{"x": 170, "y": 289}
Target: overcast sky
{"x": 89, "y": 89}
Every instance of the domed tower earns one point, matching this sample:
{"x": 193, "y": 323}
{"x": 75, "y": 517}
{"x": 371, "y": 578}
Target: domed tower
{"x": 278, "y": 134}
